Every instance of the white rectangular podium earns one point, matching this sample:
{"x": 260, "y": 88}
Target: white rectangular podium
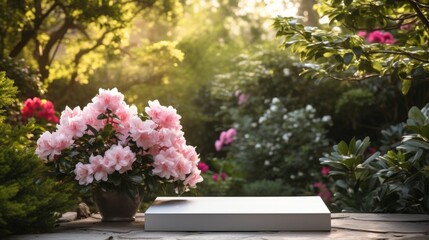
{"x": 238, "y": 214}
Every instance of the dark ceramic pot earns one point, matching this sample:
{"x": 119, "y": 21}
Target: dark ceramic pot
{"x": 116, "y": 206}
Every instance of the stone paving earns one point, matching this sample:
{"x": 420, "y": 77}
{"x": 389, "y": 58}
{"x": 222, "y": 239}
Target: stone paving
{"x": 344, "y": 226}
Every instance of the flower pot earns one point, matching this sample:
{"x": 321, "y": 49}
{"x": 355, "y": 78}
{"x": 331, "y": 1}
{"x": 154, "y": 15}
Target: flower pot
{"x": 116, "y": 206}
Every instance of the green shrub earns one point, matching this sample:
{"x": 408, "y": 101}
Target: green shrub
{"x": 29, "y": 202}
{"x": 265, "y": 188}
{"x": 397, "y": 181}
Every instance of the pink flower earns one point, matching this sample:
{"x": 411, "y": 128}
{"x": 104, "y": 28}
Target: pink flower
{"x": 84, "y": 173}
{"x": 406, "y": 27}
{"x": 120, "y": 158}
{"x": 164, "y": 163}
{"x": 323, "y": 191}
{"x": 182, "y": 168}
{"x": 122, "y": 132}
{"x": 90, "y": 115}
{"x": 168, "y": 137}
{"x": 101, "y": 167}
{"x": 218, "y": 145}
{"x": 242, "y": 98}
{"x": 165, "y": 117}
{"x": 143, "y": 133}
{"x": 203, "y": 167}
{"x": 71, "y": 122}
{"x": 225, "y": 138}
{"x": 388, "y": 38}
{"x": 50, "y": 145}
{"x": 189, "y": 153}
{"x": 361, "y": 34}
{"x": 230, "y": 136}
{"x": 125, "y": 114}
{"x": 223, "y": 176}
{"x": 380, "y": 37}
{"x": 108, "y": 99}
{"x": 194, "y": 178}
{"x": 325, "y": 171}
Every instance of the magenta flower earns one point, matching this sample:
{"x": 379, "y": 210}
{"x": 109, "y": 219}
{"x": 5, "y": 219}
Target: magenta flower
{"x": 325, "y": 171}
{"x": 216, "y": 177}
{"x": 203, "y": 167}
{"x": 323, "y": 191}
{"x": 380, "y": 37}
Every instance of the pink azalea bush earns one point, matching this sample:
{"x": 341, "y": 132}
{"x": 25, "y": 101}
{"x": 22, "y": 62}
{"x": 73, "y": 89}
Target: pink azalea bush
{"x": 108, "y": 144}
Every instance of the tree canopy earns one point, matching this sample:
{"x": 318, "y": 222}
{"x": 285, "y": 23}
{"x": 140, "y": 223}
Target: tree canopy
{"x": 365, "y": 39}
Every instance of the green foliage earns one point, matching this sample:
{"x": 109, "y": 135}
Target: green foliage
{"x": 25, "y": 79}
{"x": 221, "y": 179}
{"x": 265, "y": 188}
{"x": 345, "y": 56}
{"x": 279, "y": 132}
{"x": 354, "y": 183}
{"x": 29, "y": 202}
{"x": 7, "y": 91}
{"x": 68, "y": 40}
{"x": 394, "y": 182}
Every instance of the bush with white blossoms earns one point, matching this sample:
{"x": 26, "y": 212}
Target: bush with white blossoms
{"x": 107, "y": 144}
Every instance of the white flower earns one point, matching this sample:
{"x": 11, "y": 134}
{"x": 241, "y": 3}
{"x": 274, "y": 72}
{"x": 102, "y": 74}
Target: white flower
{"x": 286, "y": 72}
{"x": 267, "y": 163}
{"x": 273, "y": 108}
{"x": 309, "y": 108}
{"x": 275, "y": 100}
{"x": 286, "y": 137}
{"x": 257, "y": 145}
{"x": 326, "y": 118}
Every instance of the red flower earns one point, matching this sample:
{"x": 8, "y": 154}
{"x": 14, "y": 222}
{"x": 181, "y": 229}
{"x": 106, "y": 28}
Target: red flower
{"x": 40, "y": 109}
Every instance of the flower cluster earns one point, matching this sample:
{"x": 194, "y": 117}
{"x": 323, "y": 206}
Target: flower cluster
{"x": 39, "y": 109}
{"x": 222, "y": 176}
{"x": 378, "y": 37}
{"x": 107, "y": 138}
{"x": 225, "y": 138}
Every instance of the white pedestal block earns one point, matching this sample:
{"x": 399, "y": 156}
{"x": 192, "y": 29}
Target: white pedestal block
{"x": 238, "y": 214}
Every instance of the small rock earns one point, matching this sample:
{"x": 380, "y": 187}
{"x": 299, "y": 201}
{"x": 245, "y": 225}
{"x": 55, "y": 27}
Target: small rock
{"x": 83, "y": 211}
{"x": 67, "y": 217}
